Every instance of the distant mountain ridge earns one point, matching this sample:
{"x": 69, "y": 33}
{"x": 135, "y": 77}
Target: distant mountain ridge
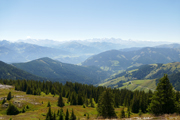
{"x": 58, "y": 71}
{"x": 90, "y": 42}
{"x": 22, "y": 52}
{"x": 174, "y": 45}
{"x": 73, "y": 52}
{"x": 115, "y": 60}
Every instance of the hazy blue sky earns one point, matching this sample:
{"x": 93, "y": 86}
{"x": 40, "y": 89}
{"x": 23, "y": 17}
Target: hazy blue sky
{"x": 154, "y": 20}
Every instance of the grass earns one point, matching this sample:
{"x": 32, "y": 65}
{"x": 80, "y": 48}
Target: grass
{"x": 113, "y": 82}
{"x": 38, "y": 111}
{"x": 38, "y": 106}
{"x": 114, "y": 63}
{"x": 145, "y": 85}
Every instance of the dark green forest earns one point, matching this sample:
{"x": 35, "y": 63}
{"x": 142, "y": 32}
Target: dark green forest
{"x": 78, "y": 93}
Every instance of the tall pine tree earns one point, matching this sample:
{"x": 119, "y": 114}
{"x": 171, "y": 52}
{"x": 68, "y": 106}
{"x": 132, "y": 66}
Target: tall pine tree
{"x": 61, "y": 117}
{"x": 49, "y": 115}
{"x": 67, "y": 115}
{"x": 105, "y": 106}
{"x": 163, "y": 100}
{"x": 60, "y": 101}
{"x": 12, "y": 110}
{"x": 73, "y": 117}
{"x": 9, "y": 96}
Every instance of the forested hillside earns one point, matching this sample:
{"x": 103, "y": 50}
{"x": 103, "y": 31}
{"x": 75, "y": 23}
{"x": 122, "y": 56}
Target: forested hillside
{"x": 57, "y": 71}
{"x": 10, "y": 72}
{"x": 47, "y": 100}
{"x": 115, "y": 60}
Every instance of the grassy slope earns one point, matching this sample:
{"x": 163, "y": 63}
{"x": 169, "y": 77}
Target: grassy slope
{"x": 37, "y": 110}
{"x": 143, "y": 78}
{"x": 145, "y": 85}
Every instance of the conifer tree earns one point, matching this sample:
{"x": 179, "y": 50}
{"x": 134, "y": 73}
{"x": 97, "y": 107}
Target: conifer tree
{"x": 61, "y": 117}
{"x": 27, "y": 107}
{"x": 49, "y": 104}
{"x": 135, "y": 104}
{"x": 54, "y": 116}
{"x": 122, "y": 115}
{"x": 67, "y": 115}
{"x": 73, "y": 99}
{"x": 58, "y": 112}
{"x": 116, "y": 100}
{"x": 60, "y": 101}
{"x": 163, "y": 100}
{"x": 3, "y": 101}
{"x": 178, "y": 107}
{"x": 63, "y": 93}
{"x": 91, "y": 102}
{"x": 105, "y": 106}
{"x": 28, "y": 90}
{"x": 79, "y": 100}
{"x": 49, "y": 115}
{"x": 140, "y": 113}
{"x": 73, "y": 117}
{"x": 23, "y": 110}
{"x": 12, "y": 110}
{"x": 128, "y": 112}
{"x": 9, "y": 96}
{"x": 86, "y": 100}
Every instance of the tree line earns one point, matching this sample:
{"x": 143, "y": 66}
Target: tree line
{"x": 82, "y": 94}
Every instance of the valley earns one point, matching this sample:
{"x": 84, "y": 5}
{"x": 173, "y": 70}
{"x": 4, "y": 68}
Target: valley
{"x": 104, "y": 67}
{"x": 131, "y": 74}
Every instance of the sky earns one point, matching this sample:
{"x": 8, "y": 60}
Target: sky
{"x": 61, "y": 20}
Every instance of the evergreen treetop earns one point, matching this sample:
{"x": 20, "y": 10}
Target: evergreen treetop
{"x": 105, "y": 106}
{"x": 12, "y": 110}
{"x": 163, "y": 100}
{"x": 60, "y": 101}
{"x": 67, "y": 115}
{"x": 73, "y": 117}
{"x": 9, "y": 96}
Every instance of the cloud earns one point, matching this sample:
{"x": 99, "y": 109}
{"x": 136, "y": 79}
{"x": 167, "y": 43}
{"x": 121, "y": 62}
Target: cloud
{"x": 28, "y": 37}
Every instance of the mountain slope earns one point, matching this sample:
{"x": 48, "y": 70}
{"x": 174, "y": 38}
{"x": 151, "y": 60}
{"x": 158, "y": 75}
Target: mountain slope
{"x": 10, "y": 72}
{"x": 143, "y": 76}
{"x": 51, "y": 69}
{"x": 115, "y": 60}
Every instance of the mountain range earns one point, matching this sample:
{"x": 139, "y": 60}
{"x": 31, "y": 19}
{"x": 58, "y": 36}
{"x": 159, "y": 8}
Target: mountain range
{"x": 73, "y": 52}
{"x": 23, "y": 52}
{"x": 127, "y": 66}
{"x": 115, "y": 60}
{"x": 58, "y": 71}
